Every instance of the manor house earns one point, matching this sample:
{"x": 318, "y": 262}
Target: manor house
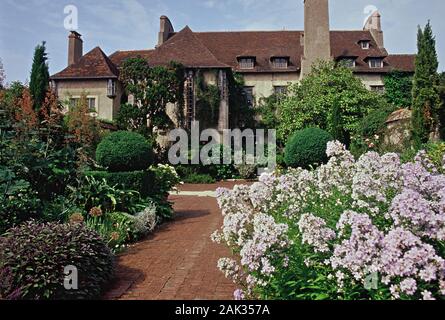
{"x": 268, "y": 60}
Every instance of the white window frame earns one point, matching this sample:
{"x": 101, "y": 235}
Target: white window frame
{"x": 96, "y": 102}
{"x": 111, "y": 88}
{"x": 283, "y": 89}
{"x": 280, "y": 62}
{"x": 246, "y": 63}
{"x": 365, "y": 45}
{"x": 371, "y": 60}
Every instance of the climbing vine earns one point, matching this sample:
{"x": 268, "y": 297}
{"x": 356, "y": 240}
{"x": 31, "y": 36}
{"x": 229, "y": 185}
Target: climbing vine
{"x": 398, "y": 88}
{"x": 208, "y": 98}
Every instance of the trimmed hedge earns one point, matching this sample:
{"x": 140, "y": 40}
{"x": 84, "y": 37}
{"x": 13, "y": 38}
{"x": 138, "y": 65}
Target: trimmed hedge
{"x": 33, "y": 258}
{"x": 307, "y": 147}
{"x": 124, "y": 151}
{"x": 140, "y": 181}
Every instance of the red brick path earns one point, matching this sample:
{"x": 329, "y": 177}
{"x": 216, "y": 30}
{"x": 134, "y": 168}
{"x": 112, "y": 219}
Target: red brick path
{"x": 179, "y": 261}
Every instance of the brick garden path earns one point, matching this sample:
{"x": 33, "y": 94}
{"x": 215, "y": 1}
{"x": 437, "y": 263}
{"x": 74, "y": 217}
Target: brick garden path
{"x": 177, "y": 262}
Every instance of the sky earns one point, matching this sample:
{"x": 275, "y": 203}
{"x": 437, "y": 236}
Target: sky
{"x": 134, "y": 24}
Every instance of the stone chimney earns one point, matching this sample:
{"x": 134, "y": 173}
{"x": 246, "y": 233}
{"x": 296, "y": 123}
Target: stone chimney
{"x": 374, "y": 25}
{"x": 166, "y": 28}
{"x": 75, "y": 48}
{"x": 317, "y": 40}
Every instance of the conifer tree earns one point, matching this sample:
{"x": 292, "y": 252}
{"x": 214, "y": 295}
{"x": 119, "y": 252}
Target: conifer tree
{"x": 426, "y": 102}
{"x": 39, "y": 82}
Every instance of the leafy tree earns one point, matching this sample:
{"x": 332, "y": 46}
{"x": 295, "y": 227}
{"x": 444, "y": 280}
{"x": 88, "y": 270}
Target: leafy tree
{"x": 152, "y": 88}
{"x": 268, "y": 112}
{"x": 442, "y": 108}
{"x": 398, "y": 88}
{"x": 39, "y": 82}
{"x": 426, "y": 102}
{"x": 241, "y": 114}
{"x": 330, "y": 97}
{"x": 2, "y": 75}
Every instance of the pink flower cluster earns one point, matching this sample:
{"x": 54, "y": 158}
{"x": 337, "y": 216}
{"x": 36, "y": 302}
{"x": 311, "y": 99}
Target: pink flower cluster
{"x": 392, "y": 223}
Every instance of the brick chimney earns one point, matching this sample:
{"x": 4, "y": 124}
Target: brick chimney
{"x": 317, "y": 40}
{"x": 165, "y": 30}
{"x": 374, "y": 25}
{"x": 75, "y": 48}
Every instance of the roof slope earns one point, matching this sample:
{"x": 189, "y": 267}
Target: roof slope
{"x": 93, "y": 65}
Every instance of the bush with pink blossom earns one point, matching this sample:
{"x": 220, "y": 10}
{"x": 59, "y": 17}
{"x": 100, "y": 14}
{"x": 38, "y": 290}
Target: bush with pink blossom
{"x": 372, "y": 228}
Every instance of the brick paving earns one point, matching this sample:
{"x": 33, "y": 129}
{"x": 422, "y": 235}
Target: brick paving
{"x": 177, "y": 262}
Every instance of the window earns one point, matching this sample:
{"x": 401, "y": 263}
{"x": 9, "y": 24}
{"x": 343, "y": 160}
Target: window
{"x": 365, "y": 45}
{"x": 348, "y": 62}
{"x": 248, "y": 92}
{"x": 91, "y": 104}
{"x": 376, "y": 63}
{"x": 111, "y": 88}
{"x": 378, "y": 89}
{"x": 280, "y": 90}
{"x": 280, "y": 63}
{"x": 74, "y": 102}
{"x": 247, "y": 63}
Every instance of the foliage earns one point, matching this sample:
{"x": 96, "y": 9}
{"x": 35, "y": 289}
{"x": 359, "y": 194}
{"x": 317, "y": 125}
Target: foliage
{"x": 241, "y": 114}
{"x": 208, "y": 98}
{"x": 39, "y": 83}
{"x": 124, "y": 151}
{"x": 307, "y": 148}
{"x": 18, "y": 203}
{"x": 91, "y": 193}
{"x": 152, "y": 88}
{"x": 370, "y": 229}
{"x": 329, "y": 91}
{"x": 165, "y": 179}
{"x": 84, "y": 129}
{"x": 442, "y": 109}
{"x": 398, "y": 88}
{"x": 33, "y": 257}
{"x": 426, "y": 101}
{"x": 268, "y": 111}
{"x": 140, "y": 181}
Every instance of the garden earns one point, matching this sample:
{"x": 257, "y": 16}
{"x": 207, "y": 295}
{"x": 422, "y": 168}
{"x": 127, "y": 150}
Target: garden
{"x": 347, "y": 216}
{"x": 74, "y": 194}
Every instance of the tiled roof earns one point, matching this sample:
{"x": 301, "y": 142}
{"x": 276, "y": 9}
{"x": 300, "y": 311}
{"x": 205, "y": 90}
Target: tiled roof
{"x": 222, "y": 50}
{"x": 93, "y": 65}
{"x": 402, "y": 62}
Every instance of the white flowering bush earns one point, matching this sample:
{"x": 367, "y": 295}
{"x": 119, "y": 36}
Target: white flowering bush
{"x": 367, "y": 229}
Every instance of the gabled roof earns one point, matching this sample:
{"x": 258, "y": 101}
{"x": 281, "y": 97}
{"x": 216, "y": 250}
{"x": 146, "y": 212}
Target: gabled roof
{"x": 402, "y": 62}
{"x": 93, "y": 65}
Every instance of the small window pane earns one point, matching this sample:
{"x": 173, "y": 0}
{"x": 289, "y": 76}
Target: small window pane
{"x": 74, "y": 102}
{"x": 280, "y": 63}
{"x": 92, "y": 104}
{"x": 246, "y": 63}
{"x": 348, "y": 62}
{"x": 376, "y": 63}
{"x": 378, "y": 89}
{"x": 280, "y": 90}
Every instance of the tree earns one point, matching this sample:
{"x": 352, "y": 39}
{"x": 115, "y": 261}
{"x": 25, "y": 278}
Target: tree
{"x": 39, "y": 82}
{"x": 331, "y": 98}
{"x": 152, "y": 88}
{"x": 2, "y": 75}
{"x": 442, "y": 106}
{"x": 426, "y": 101}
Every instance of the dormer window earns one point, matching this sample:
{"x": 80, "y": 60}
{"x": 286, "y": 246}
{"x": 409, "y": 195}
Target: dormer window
{"x": 111, "y": 88}
{"x": 348, "y": 62}
{"x": 365, "y": 44}
{"x": 246, "y": 62}
{"x": 280, "y": 62}
{"x": 375, "y": 63}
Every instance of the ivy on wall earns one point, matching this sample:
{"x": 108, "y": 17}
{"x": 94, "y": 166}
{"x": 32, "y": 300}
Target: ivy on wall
{"x": 398, "y": 88}
{"x": 241, "y": 115}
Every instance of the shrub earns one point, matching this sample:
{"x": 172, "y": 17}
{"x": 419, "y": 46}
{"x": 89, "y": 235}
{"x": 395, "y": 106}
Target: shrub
{"x": 140, "y": 181}
{"x": 124, "y": 151}
{"x": 33, "y": 257}
{"x": 307, "y": 147}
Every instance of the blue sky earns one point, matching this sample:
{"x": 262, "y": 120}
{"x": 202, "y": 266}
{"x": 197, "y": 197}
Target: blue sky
{"x": 133, "y": 24}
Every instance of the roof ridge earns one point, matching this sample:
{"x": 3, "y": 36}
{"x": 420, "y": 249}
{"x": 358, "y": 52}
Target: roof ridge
{"x": 109, "y": 63}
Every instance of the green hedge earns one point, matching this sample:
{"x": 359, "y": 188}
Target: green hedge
{"x": 140, "y": 181}
{"x": 307, "y": 147}
{"x": 124, "y": 151}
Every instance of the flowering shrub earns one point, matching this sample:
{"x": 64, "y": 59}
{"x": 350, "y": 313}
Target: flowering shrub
{"x": 367, "y": 229}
